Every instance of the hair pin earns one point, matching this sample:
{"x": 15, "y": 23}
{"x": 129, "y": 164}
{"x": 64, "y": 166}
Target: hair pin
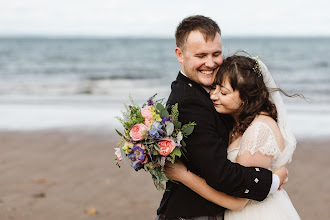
{"x": 256, "y": 68}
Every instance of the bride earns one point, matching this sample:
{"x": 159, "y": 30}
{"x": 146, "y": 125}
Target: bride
{"x": 260, "y": 137}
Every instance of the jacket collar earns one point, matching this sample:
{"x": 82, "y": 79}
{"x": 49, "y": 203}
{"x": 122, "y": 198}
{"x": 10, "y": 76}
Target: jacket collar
{"x": 192, "y": 83}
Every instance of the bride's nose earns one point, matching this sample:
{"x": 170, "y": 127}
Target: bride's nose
{"x": 213, "y": 95}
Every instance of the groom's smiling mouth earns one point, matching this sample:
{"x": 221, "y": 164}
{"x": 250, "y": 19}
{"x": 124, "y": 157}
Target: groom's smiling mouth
{"x": 207, "y": 72}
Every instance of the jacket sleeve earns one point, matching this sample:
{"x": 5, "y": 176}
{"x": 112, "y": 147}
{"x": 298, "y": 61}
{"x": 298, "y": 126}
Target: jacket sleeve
{"x": 207, "y": 154}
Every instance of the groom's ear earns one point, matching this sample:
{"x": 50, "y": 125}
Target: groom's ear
{"x": 179, "y": 54}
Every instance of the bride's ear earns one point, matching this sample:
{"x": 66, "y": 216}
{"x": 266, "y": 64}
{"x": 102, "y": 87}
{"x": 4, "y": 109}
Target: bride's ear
{"x": 179, "y": 54}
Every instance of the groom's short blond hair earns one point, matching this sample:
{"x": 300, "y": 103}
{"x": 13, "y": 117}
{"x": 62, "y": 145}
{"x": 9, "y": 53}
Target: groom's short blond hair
{"x": 204, "y": 25}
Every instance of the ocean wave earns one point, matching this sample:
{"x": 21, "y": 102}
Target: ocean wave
{"x": 87, "y": 87}
{"x": 122, "y": 76}
{"x": 321, "y": 64}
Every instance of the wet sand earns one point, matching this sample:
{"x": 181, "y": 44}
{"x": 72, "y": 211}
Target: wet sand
{"x": 71, "y": 174}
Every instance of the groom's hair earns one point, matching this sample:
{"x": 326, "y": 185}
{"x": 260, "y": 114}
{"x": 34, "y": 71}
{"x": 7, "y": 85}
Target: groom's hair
{"x": 204, "y": 25}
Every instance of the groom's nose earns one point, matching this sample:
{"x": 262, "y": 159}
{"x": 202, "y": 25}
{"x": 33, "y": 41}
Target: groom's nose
{"x": 210, "y": 62}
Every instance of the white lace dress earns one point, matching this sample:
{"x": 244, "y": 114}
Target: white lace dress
{"x": 260, "y": 137}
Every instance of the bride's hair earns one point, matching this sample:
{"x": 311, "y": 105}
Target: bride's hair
{"x": 244, "y": 75}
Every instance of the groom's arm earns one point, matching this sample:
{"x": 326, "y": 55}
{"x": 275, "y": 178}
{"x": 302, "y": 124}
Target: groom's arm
{"x": 207, "y": 155}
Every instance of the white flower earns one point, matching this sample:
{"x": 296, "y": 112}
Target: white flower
{"x": 179, "y": 137}
{"x": 118, "y": 154}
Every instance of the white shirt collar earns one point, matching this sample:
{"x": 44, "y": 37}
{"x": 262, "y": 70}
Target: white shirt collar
{"x": 183, "y": 73}
{"x": 206, "y": 88}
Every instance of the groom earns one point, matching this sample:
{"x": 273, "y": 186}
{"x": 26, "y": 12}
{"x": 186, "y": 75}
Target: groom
{"x": 199, "y": 50}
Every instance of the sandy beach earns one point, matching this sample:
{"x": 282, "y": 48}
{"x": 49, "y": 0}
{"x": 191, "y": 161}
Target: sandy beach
{"x": 71, "y": 174}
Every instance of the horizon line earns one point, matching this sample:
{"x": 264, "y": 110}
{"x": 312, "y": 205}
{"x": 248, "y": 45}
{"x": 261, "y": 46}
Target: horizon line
{"x": 85, "y": 36}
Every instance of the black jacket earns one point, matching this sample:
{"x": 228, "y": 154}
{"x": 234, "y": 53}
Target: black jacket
{"x": 207, "y": 157}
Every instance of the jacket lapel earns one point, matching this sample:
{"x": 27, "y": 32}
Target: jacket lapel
{"x": 185, "y": 79}
{"x": 221, "y": 119}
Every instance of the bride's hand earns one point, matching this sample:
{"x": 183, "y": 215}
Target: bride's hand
{"x": 282, "y": 173}
{"x": 176, "y": 171}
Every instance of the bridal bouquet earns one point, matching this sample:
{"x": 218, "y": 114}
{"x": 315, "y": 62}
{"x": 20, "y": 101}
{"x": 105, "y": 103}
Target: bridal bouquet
{"x": 152, "y": 135}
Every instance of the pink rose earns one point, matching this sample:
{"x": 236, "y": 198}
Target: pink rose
{"x": 166, "y": 147}
{"x": 118, "y": 154}
{"x": 148, "y": 122}
{"x": 146, "y": 112}
{"x": 138, "y": 132}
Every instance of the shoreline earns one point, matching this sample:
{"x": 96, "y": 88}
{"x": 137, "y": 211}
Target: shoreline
{"x": 64, "y": 173}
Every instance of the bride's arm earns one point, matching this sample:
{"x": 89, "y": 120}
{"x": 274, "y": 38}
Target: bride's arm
{"x": 179, "y": 172}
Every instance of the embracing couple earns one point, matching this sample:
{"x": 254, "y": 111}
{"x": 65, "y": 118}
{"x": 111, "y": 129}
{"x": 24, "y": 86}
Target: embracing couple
{"x": 234, "y": 164}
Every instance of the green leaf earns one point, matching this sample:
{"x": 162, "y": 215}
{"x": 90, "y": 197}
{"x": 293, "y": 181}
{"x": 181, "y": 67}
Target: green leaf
{"x": 188, "y": 130}
{"x": 155, "y": 152}
{"x": 123, "y": 154}
{"x": 169, "y": 129}
{"x": 120, "y": 134}
{"x": 164, "y": 113}
{"x": 177, "y": 124}
{"x": 160, "y": 107}
{"x": 156, "y": 146}
{"x": 176, "y": 152}
{"x": 183, "y": 143}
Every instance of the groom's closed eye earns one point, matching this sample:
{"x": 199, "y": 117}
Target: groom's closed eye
{"x": 217, "y": 54}
{"x": 201, "y": 55}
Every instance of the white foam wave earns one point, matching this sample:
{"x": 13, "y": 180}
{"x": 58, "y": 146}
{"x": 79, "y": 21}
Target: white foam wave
{"x": 89, "y": 87}
{"x": 36, "y": 117}
{"x": 306, "y": 123}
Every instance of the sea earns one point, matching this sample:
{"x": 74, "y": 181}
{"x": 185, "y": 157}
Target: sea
{"x": 67, "y": 83}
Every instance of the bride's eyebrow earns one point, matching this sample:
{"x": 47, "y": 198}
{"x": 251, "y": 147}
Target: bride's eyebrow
{"x": 221, "y": 86}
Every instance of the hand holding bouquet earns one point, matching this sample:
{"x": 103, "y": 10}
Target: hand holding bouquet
{"x": 152, "y": 135}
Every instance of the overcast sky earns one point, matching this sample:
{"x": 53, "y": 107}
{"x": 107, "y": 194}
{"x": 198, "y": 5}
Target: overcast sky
{"x": 149, "y": 18}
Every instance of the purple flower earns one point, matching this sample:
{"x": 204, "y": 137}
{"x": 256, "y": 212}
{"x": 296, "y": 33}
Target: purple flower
{"x": 150, "y": 101}
{"x": 162, "y": 161}
{"x": 141, "y": 158}
{"x": 164, "y": 120}
{"x": 126, "y": 119}
{"x": 139, "y": 153}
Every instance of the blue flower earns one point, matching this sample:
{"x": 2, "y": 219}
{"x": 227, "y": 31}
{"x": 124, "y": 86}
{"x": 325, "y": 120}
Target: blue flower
{"x": 154, "y": 133}
{"x": 156, "y": 128}
{"x": 131, "y": 156}
{"x": 157, "y": 125}
{"x": 136, "y": 164}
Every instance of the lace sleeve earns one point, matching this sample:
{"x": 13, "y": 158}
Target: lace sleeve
{"x": 259, "y": 137}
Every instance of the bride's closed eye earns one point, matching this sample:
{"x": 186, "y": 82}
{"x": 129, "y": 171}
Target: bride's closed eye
{"x": 214, "y": 89}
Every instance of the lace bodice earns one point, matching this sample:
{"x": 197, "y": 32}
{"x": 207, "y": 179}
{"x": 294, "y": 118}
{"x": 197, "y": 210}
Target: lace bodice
{"x": 258, "y": 137}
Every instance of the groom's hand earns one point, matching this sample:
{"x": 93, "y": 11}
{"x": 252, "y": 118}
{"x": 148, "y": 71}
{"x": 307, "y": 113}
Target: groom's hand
{"x": 282, "y": 173}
